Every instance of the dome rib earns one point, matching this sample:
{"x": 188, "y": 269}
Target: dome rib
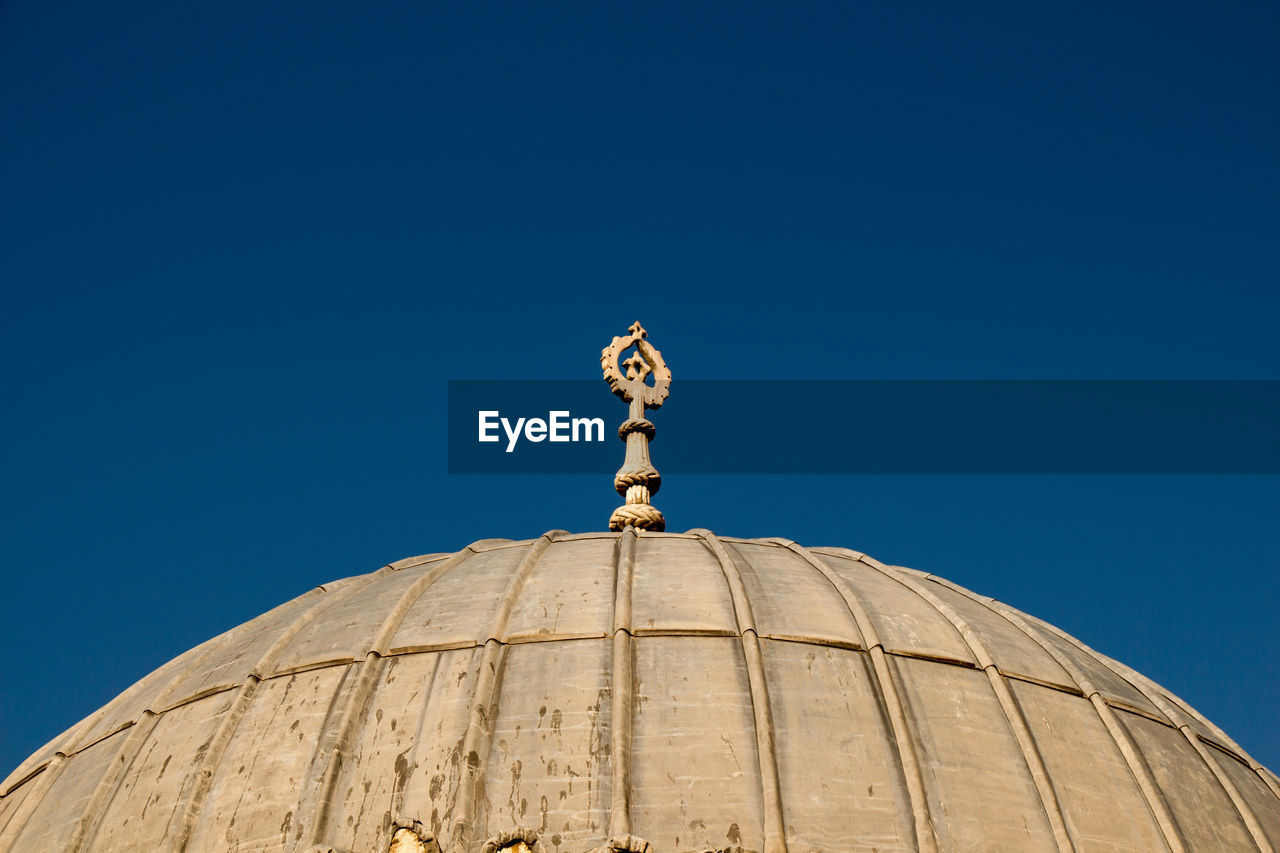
{"x": 106, "y": 789}
{"x": 78, "y": 738}
{"x": 27, "y": 807}
{"x": 48, "y": 774}
{"x": 621, "y": 682}
{"x": 217, "y": 747}
{"x": 476, "y": 741}
{"x": 370, "y": 674}
{"x": 1223, "y": 741}
{"x": 762, "y": 714}
{"x": 1012, "y": 713}
{"x": 1145, "y": 686}
{"x": 141, "y": 729}
{"x": 904, "y": 746}
{"x": 1124, "y": 742}
{"x": 1246, "y": 813}
{"x": 1177, "y": 721}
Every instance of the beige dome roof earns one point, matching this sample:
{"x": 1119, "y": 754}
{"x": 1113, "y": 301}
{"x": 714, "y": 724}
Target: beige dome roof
{"x": 683, "y": 690}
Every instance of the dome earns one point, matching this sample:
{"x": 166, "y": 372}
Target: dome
{"x": 642, "y": 691}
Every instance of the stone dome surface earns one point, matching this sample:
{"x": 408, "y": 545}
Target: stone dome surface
{"x": 633, "y": 691}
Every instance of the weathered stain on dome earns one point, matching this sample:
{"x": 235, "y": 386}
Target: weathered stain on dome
{"x": 642, "y": 692}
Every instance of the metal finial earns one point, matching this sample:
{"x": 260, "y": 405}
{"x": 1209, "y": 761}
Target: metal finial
{"x": 637, "y": 480}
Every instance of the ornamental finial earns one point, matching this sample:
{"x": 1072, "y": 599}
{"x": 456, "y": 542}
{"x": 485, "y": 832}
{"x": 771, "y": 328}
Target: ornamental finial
{"x": 637, "y": 480}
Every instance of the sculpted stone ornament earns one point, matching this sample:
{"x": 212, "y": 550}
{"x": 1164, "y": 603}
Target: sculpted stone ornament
{"x": 521, "y": 840}
{"x": 637, "y": 480}
{"x": 415, "y": 840}
{"x": 625, "y": 844}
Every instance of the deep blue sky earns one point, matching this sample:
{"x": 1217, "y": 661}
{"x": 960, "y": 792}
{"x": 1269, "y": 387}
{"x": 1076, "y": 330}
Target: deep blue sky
{"x": 242, "y": 248}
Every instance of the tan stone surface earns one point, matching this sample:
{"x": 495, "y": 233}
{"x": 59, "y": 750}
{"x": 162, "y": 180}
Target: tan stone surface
{"x": 609, "y": 692}
{"x": 904, "y": 621}
{"x": 460, "y": 608}
{"x": 1017, "y": 656}
{"x": 835, "y": 751}
{"x": 160, "y": 778}
{"x": 234, "y": 655}
{"x": 569, "y": 593}
{"x": 11, "y": 804}
{"x": 264, "y": 759}
{"x": 1202, "y": 810}
{"x": 679, "y": 588}
{"x": 1258, "y": 797}
{"x": 73, "y": 789}
{"x": 980, "y": 790}
{"x": 344, "y": 630}
{"x": 1103, "y": 809}
{"x": 789, "y": 601}
{"x": 548, "y": 764}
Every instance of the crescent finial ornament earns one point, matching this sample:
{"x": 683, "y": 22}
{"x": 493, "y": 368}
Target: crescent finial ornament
{"x": 629, "y": 378}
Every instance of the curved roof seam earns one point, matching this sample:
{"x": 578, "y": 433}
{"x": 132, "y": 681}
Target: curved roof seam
{"x": 761, "y": 711}
{"x": 1226, "y": 743}
{"x": 1004, "y": 696}
{"x": 1147, "y": 688}
{"x": 675, "y": 632}
{"x": 198, "y": 655}
{"x": 110, "y": 783}
{"x": 398, "y": 808}
{"x": 1151, "y": 793}
{"x": 621, "y": 684}
{"x": 477, "y": 737}
{"x": 73, "y": 739}
{"x": 370, "y": 671}
{"x": 888, "y": 693}
{"x": 44, "y": 781}
{"x": 815, "y": 641}
{"x": 189, "y": 812}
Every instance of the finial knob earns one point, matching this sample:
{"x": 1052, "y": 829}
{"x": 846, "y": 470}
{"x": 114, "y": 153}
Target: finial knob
{"x": 637, "y": 480}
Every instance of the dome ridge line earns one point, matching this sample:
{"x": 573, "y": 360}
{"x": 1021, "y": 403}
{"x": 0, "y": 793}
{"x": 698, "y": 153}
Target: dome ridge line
{"x": 79, "y": 741}
{"x": 50, "y": 773}
{"x": 908, "y": 761}
{"x": 1241, "y": 805}
{"x": 1177, "y": 721}
{"x": 775, "y": 837}
{"x": 368, "y": 678}
{"x": 1145, "y": 686}
{"x": 1124, "y": 742}
{"x": 1008, "y": 704}
{"x": 624, "y": 578}
{"x": 477, "y": 735}
{"x": 729, "y": 567}
{"x": 190, "y": 813}
{"x": 104, "y": 792}
{"x": 1223, "y": 742}
{"x": 76, "y": 739}
{"x": 622, "y": 687}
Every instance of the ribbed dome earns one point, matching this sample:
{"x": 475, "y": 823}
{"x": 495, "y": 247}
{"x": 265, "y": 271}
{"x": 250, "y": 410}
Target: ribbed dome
{"x": 695, "y": 692}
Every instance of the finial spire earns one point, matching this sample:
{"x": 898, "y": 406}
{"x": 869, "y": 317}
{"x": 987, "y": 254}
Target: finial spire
{"x": 637, "y": 480}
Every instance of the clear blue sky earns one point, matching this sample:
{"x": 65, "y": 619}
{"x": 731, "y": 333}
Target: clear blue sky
{"x": 243, "y": 247}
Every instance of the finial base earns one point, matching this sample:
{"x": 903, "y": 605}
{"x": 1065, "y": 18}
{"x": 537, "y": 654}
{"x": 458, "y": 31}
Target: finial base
{"x": 639, "y": 516}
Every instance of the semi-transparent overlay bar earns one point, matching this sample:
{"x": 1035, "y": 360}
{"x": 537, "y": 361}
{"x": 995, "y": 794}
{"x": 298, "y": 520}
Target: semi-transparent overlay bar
{"x": 874, "y": 427}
